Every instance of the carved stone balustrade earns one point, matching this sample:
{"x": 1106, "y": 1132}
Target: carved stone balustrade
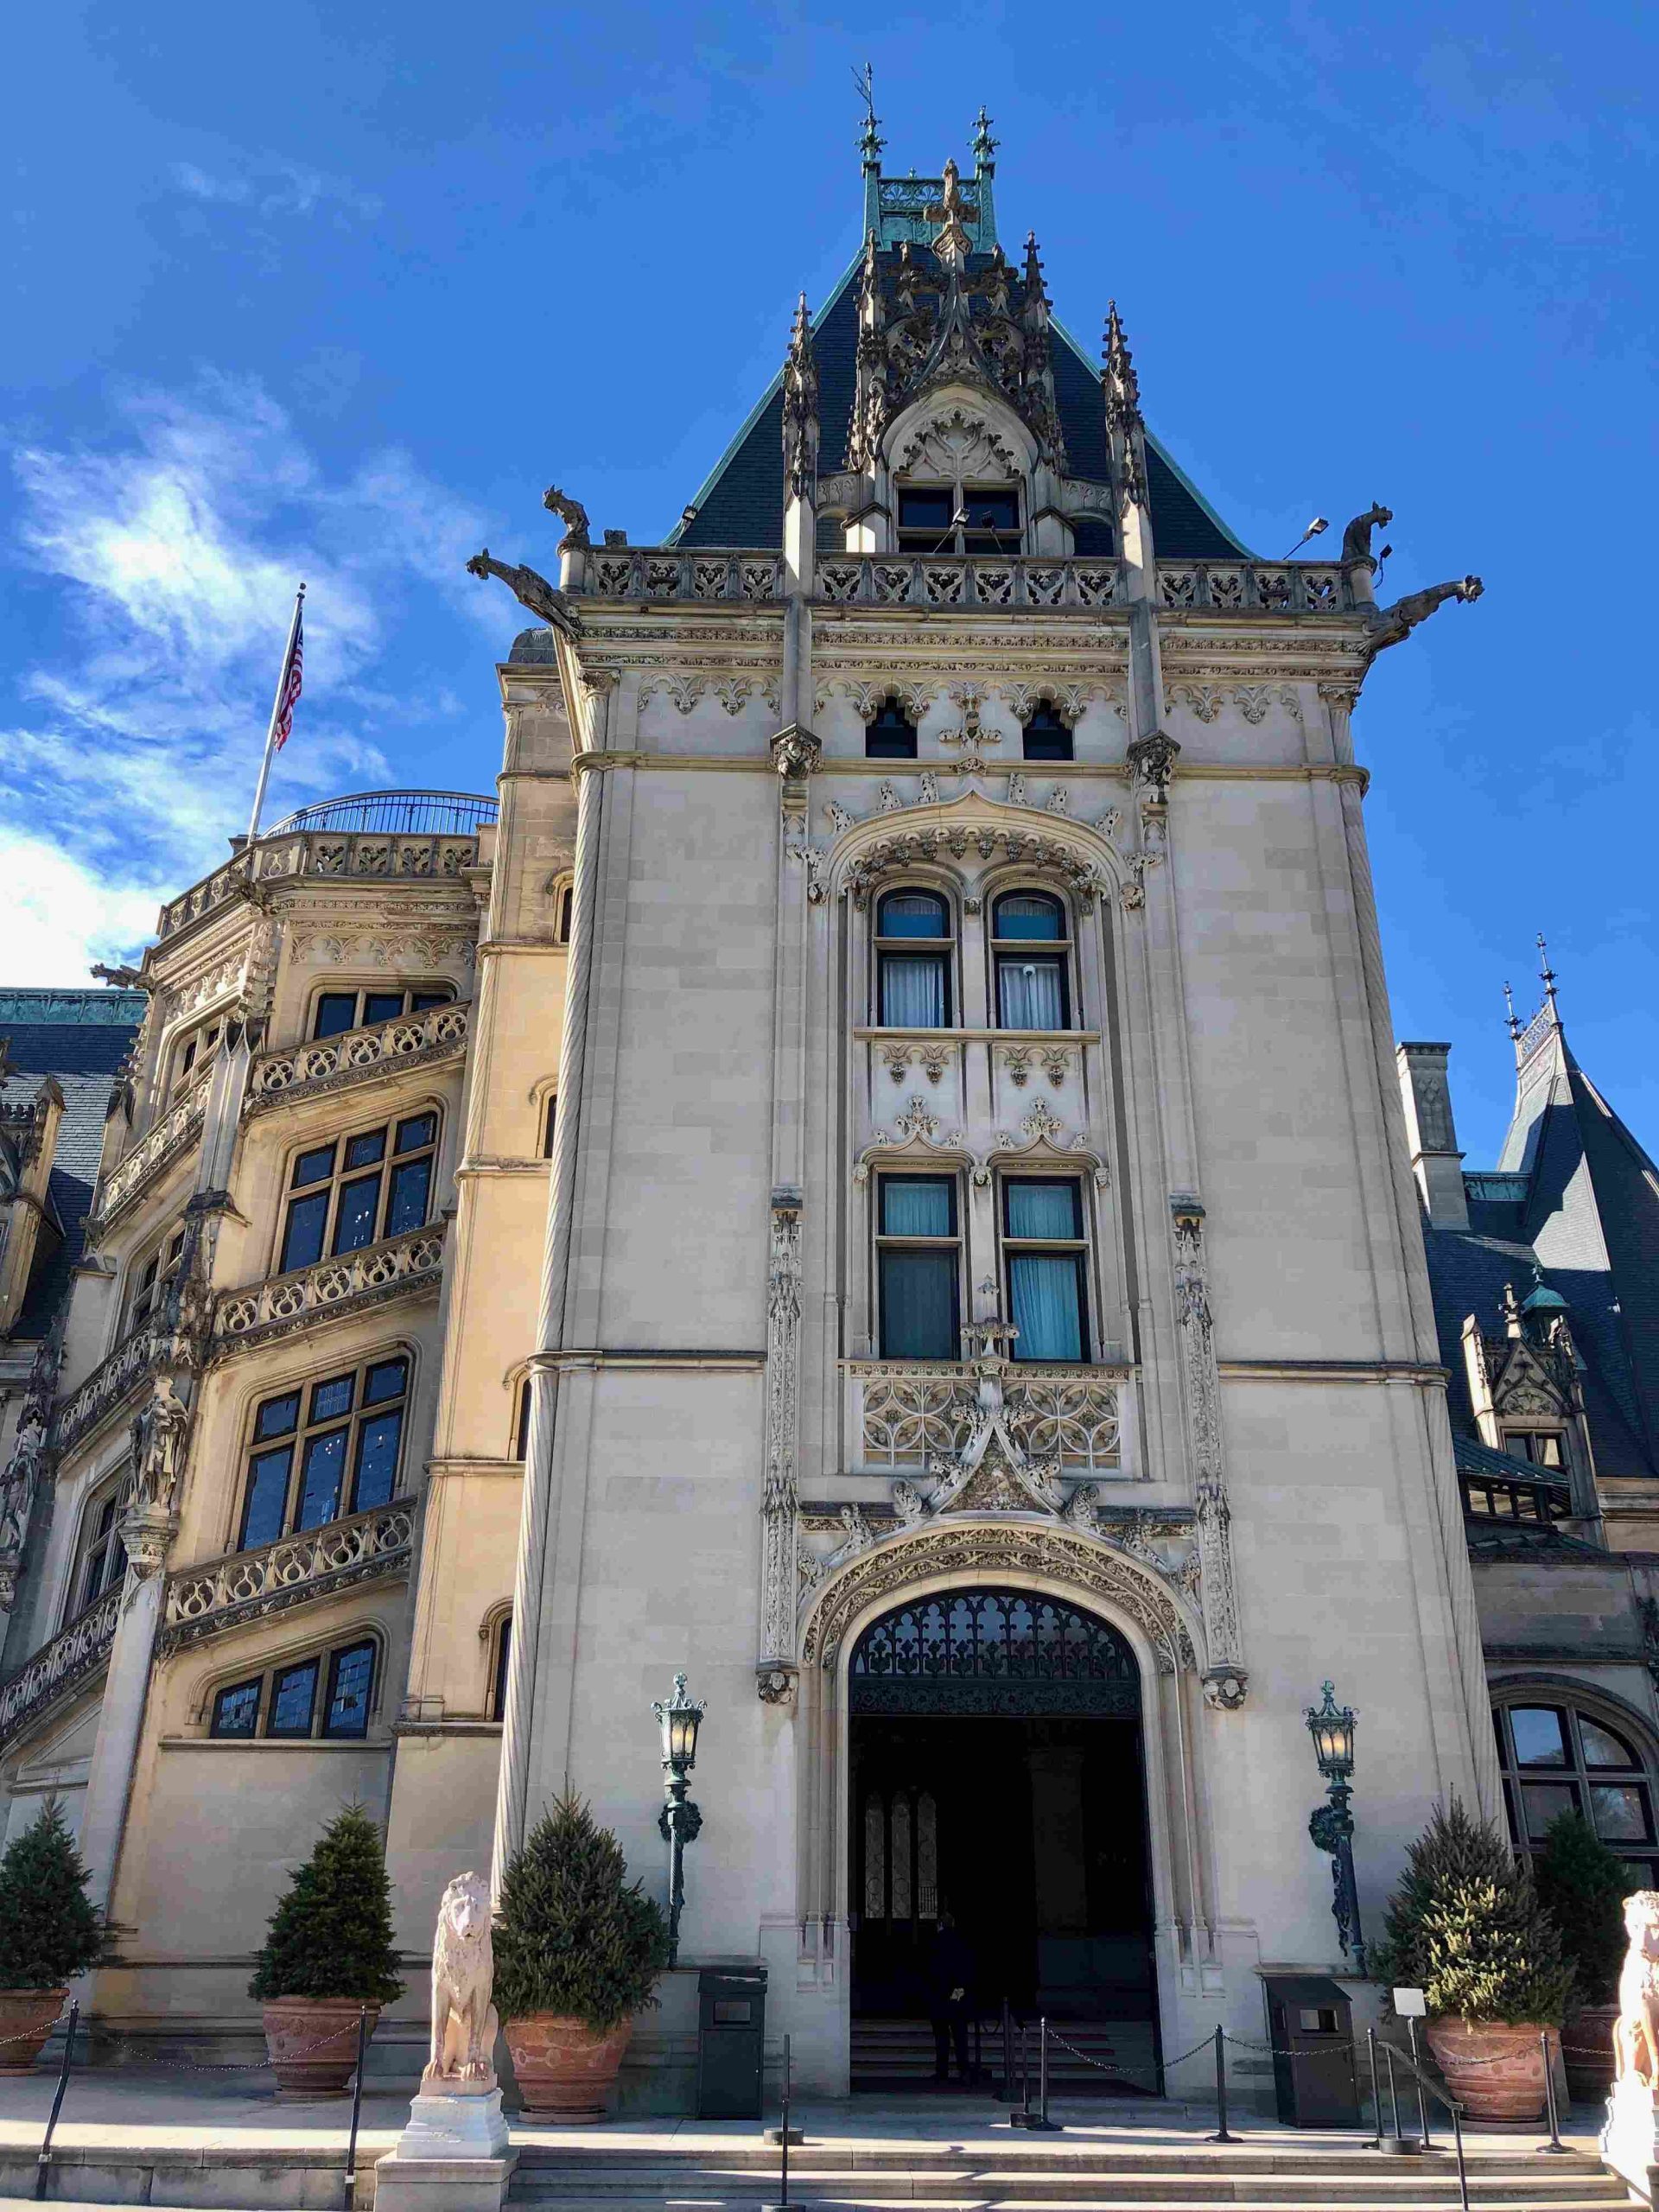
{"x": 392, "y": 1269}
{"x": 357, "y": 1055}
{"x": 664, "y": 572}
{"x": 111, "y": 1384}
{"x": 1252, "y": 587}
{"x": 169, "y": 1138}
{"x": 983, "y": 580}
{"x": 906, "y": 1410}
{"x": 243, "y": 1586}
{"x": 386, "y": 857}
{"x": 60, "y": 1666}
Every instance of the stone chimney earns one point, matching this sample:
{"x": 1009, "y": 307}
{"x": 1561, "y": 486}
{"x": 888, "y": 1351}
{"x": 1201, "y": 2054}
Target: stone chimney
{"x": 1435, "y": 1160}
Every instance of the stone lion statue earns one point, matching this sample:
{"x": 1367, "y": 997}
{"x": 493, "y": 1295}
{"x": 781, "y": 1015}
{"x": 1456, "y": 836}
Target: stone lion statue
{"x": 1635, "y": 2038}
{"x": 464, "y": 2021}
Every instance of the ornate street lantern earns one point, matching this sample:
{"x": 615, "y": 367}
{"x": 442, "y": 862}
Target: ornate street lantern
{"x": 1332, "y": 1825}
{"x": 1332, "y": 1730}
{"x": 679, "y": 1822}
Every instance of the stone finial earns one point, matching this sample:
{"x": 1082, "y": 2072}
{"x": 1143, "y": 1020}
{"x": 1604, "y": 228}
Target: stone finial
{"x": 801, "y": 407}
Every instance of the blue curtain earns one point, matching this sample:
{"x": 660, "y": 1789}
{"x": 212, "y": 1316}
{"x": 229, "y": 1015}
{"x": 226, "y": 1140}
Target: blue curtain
{"x": 1028, "y": 914}
{"x": 913, "y": 990}
{"x": 1042, "y": 1208}
{"x": 916, "y": 1205}
{"x": 918, "y": 1305}
{"x": 1030, "y": 994}
{"x": 912, "y": 913}
{"x": 1045, "y": 1306}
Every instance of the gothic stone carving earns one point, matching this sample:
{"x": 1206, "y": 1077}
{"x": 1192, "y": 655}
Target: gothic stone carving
{"x": 464, "y": 2023}
{"x": 1225, "y": 1680}
{"x": 780, "y": 1498}
{"x": 160, "y": 1433}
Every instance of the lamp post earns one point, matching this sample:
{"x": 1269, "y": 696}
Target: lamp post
{"x": 679, "y": 1821}
{"x": 1331, "y": 1826}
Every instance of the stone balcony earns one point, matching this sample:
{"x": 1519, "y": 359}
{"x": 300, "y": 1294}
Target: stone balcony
{"x": 242, "y": 1587}
{"x": 906, "y": 1410}
{"x": 170, "y": 1137}
{"x": 395, "y": 1267}
{"x": 58, "y": 1668}
{"x": 357, "y": 1056}
{"x": 113, "y": 1382}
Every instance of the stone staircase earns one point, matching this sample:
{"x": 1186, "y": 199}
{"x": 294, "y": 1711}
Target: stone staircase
{"x": 1118, "y": 2056}
{"x": 1033, "y": 2173}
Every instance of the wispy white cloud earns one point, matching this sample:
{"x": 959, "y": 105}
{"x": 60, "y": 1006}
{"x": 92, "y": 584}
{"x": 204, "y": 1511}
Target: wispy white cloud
{"x": 275, "y": 189}
{"x": 178, "y": 546}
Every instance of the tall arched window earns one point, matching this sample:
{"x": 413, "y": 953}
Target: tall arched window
{"x": 912, "y": 953}
{"x": 1030, "y": 946}
{"x": 1047, "y": 737}
{"x": 891, "y": 734}
{"x": 1558, "y": 1756}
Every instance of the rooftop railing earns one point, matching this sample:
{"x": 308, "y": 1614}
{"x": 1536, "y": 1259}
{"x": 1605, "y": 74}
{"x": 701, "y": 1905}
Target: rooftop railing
{"x": 403, "y": 814}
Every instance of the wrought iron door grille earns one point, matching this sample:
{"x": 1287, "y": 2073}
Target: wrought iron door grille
{"x": 993, "y": 1651}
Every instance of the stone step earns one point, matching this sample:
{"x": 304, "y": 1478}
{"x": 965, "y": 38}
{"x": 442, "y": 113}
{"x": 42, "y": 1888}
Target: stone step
{"x": 1193, "y": 2192}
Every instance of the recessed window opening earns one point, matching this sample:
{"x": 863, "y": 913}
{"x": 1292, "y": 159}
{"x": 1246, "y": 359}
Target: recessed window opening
{"x": 563, "y": 907}
{"x": 353, "y": 1191}
{"x": 1557, "y": 1758}
{"x": 155, "y": 1278}
{"x": 1543, "y": 1446}
{"x": 549, "y": 1124}
{"x": 917, "y": 1265}
{"x": 1047, "y": 737}
{"x": 103, "y": 1555}
{"x": 191, "y": 1053}
{"x": 1030, "y": 947}
{"x": 498, "y": 1678}
{"x": 335, "y": 1011}
{"x": 950, "y": 518}
{"x": 521, "y": 1422}
{"x": 891, "y": 734}
{"x": 323, "y": 1450}
{"x": 914, "y": 945}
{"x": 288, "y": 1700}
{"x": 1044, "y": 1254}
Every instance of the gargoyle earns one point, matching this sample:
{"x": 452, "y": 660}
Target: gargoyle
{"x": 574, "y": 516}
{"x": 1357, "y": 538}
{"x": 530, "y": 590}
{"x": 1399, "y": 620}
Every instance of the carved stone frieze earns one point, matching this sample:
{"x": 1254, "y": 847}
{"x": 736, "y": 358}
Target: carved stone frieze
{"x": 1225, "y": 1680}
{"x": 780, "y": 1497}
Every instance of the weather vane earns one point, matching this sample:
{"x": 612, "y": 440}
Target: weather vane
{"x": 865, "y": 80}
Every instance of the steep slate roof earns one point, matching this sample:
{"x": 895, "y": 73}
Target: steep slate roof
{"x": 741, "y": 504}
{"x": 1578, "y": 1202}
{"x": 82, "y": 1037}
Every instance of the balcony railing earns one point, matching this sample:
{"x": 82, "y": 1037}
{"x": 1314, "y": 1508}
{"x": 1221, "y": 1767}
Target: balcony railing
{"x": 72, "y": 1655}
{"x": 662, "y": 573}
{"x": 329, "y": 1286}
{"x": 398, "y": 814}
{"x": 385, "y": 856}
{"x": 242, "y": 1587}
{"x": 1504, "y": 1497}
{"x": 907, "y": 1410}
{"x": 111, "y": 1382}
{"x": 985, "y": 580}
{"x": 1242, "y": 587}
{"x": 166, "y": 1139}
{"x": 331, "y": 1063}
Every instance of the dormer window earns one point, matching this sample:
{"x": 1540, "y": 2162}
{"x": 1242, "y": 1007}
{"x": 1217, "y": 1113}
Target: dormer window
{"x": 1541, "y": 1445}
{"x": 959, "y": 518}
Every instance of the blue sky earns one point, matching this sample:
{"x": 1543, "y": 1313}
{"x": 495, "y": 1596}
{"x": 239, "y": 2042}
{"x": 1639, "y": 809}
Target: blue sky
{"x": 336, "y": 292}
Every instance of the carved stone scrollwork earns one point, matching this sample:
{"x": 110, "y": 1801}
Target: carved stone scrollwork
{"x": 796, "y": 753}
{"x": 780, "y": 1499}
{"x": 1225, "y": 1678}
{"x": 1152, "y": 760}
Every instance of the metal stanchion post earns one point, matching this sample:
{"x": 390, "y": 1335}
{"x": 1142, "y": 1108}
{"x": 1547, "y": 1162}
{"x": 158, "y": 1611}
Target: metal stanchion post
{"x": 783, "y": 2171}
{"x": 1463, "y": 2170}
{"x": 1221, "y": 2134}
{"x": 1422, "y": 2102}
{"x": 357, "y": 2105}
{"x": 1376, "y": 2093}
{"x": 1555, "y": 2144}
{"x": 1006, "y": 2093}
{"x": 1040, "y": 2121}
{"x": 43, "y": 2166}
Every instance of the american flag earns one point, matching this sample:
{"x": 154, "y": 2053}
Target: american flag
{"x": 288, "y": 695}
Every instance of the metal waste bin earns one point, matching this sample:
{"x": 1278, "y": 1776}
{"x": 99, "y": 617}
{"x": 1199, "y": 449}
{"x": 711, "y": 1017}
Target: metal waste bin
{"x": 731, "y": 2042}
{"x": 1311, "y": 2025}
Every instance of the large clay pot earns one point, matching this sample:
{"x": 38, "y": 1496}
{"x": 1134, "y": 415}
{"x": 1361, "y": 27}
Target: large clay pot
{"x": 1494, "y": 2070}
{"x": 1587, "y": 2047}
{"x": 312, "y": 2042}
{"x": 27, "y": 2018}
{"x": 565, "y": 2068}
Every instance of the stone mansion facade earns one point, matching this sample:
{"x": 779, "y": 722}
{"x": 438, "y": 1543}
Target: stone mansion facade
{"x": 876, "y": 1172}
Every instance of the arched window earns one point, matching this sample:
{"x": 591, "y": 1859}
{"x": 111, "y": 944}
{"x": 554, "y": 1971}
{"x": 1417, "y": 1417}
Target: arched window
{"x": 521, "y": 1422}
{"x": 1557, "y": 1757}
{"x": 919, "y": 1264}
{"x": 912, "y": 943}
{"x": 891, "y": 734}
{"x": 1030, "y": 946}
{"x": 344, "y": 1195}
{"x": 499, "y": 1670}
{"x": 102, "y": 1559}
{"x": 287, "y": 1700}
{"x": 335, "y": 1011}
{"x": 323, "y": 1450}
{"x": 1047, "y": 737}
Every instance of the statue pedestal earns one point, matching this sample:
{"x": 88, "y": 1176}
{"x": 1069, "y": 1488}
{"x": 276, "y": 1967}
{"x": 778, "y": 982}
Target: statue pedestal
{"x": 452, "y": 2156}
{"x": 1630, "y": 2141}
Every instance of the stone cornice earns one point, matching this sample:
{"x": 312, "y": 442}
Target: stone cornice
{"x": 626, "y": 1356}
{"x": 1333, "y": 1370}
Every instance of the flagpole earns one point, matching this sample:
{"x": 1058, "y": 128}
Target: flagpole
{"x": 276, "y": 710}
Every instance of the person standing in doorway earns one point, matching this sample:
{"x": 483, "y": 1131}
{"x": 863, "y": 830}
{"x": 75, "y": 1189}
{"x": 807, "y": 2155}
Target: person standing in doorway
{"x": 950, "y": 1989}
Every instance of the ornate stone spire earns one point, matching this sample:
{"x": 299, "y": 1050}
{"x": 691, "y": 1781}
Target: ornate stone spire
{"x": 801, "y": 408}
{"x": 1121, "y": 390}
{"x": 870, "y": 396}
{"x": 1035, "y": 318}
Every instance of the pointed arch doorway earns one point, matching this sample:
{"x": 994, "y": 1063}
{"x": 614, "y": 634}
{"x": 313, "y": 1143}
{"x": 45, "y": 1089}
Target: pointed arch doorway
{"x": 996, "y": 1773}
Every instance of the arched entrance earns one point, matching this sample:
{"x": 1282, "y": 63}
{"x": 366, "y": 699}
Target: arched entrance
{"x": 997, "y": 1772}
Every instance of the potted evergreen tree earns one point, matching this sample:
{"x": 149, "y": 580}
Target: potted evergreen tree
{"x": 1466, "y": 1927}
{"x": 328, "y": 1954}
{"x": 577, "y": 1954}
{"x": 49, "y": 1932}
{"x": 1584, "y": 1882}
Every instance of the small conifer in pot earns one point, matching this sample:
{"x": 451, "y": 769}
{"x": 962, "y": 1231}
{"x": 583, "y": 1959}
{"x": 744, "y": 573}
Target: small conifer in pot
{"x": 1585, "y": 1882}
{"x": 327, "y": 1959}
{"x": 49, "y": 1932}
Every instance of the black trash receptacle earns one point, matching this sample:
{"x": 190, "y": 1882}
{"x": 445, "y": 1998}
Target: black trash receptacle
{"x": 1311, "y": 2023}
{"x": 731, "y": 2042}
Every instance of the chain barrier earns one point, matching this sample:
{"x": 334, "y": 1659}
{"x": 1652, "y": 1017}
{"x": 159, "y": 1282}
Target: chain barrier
{"x": 1247, "y": 2043}
{"x": 189, "y": 2066}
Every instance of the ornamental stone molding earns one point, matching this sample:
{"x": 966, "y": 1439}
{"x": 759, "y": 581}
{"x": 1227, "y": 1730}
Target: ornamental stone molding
{"x": 1225, "y": 1677}
{"x": 796, "y": 753}
{"x": 355, "y": 1056}
{"x": 780, "y": 1497}
{"x": 397, "y": 1267}
{"x": 243, "y": 1586}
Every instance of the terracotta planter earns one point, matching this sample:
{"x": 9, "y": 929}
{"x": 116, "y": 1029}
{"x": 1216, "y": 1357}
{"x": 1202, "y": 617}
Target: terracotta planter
{"x": 25, "y": 2021}
{"x": 1587, "y": 2047}
{"x": 312, "y": 2042}
{"x": 565, "y": 2069}
{"x": 1495, "y": 2071}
